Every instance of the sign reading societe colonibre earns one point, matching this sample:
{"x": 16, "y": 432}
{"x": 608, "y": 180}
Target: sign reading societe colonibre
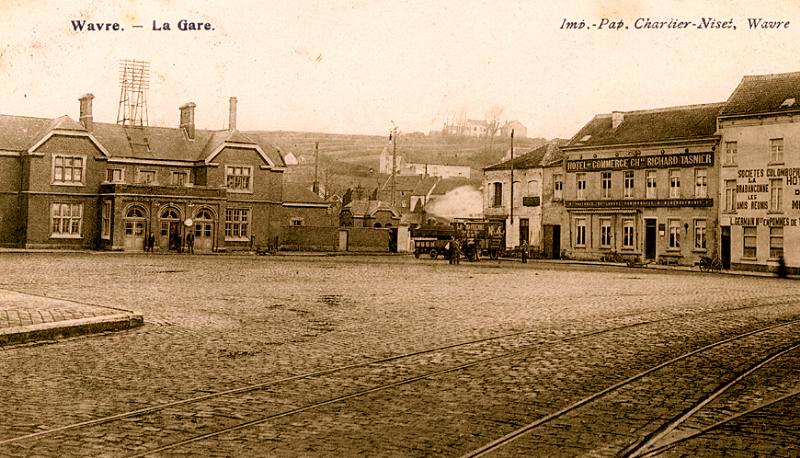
{"x": 642, "y": 162}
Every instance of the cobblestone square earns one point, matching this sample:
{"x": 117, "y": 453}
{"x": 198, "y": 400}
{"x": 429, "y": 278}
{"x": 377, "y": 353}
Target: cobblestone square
{"x": 392, "y": 356}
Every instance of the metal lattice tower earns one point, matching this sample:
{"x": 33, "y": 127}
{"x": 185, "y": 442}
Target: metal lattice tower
{"x": 134, "y": 80}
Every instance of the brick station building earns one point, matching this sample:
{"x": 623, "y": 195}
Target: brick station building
{"x": 69, "y": 184}
{"x": 644, "y": 184}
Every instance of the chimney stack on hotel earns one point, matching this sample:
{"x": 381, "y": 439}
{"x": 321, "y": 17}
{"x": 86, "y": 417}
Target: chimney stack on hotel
{"x": 187, "y": 119}
{"x": 86, "y": 111}
{"x": 232, "y": 115}
{"x": 616, "y": 119}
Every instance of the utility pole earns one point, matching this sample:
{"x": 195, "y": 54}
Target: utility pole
{"x": 315, "y": 186}
{"x": 512, "y": 179}
{"x": 393, "y": 138}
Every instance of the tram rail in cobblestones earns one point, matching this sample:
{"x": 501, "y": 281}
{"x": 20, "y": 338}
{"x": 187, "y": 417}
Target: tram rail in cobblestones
{"x": 522, "y": 431}
{"x": 672, "y": 444}
{"x": 653, "y": 441}
{"x": 308, "y": 407}
{"x": 255, "y": 387}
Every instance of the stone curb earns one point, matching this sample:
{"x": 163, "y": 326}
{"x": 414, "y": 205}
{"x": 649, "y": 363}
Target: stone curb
{"x": 69, "y": 328}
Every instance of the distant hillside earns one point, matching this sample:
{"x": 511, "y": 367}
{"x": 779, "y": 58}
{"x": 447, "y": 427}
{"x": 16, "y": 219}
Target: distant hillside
{"x": 364, "y": 150}
{"x": 347, "y": 161}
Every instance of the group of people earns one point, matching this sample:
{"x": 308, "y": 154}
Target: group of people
{"x": 454, "y": 251}
{"x": 175, "y": 241}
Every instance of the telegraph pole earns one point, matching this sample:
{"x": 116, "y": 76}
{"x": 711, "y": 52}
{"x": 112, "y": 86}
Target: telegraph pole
{"x": 393, "y": 138}
{"x": 512, "y": 179}
{"x": 315, "y": 186}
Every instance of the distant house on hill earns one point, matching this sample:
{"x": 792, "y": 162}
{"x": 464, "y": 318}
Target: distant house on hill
{"x": 467, "y": 128}
{"x": 520, "y": 131}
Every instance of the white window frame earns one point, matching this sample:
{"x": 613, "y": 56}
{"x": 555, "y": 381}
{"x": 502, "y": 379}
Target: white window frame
{"x": 497, "y": 194}
{"x": 674, "y": 233}
{"x": 628, "y": 234}
{"x": 750, "y": 242}
{"x": 105, "y": 231}
{"x": 775, "y": 195}
{"x": 775, "y": 242}
{"x": 730, "y": 196}
{"x": 731, "y": 149}
{"x": 580, "y": 186}
{"x": 776, "y": 150}
{"x": 628, "y": 183}
{"x": 110, "y": 172}
{"x": 605, "y": 179}
{"x": 238, "y": 222}
{"x": 230, "y": 173}
{"x": 700, "y": 234}
{"x": 674, "y": 183}
{"x": 652, "y": 182}
{"x": 64, "y": 222}
{"x": 558, "y": 187}
{"x": 580, "y": 232}
{"x": 60, "y": 181}
{"x": 141, "y": 173}
{"x": 175, "y": 173}
{"x": 701, "y": 183}
{"x": 606, "y": 238}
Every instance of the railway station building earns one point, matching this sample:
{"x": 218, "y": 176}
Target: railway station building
{"x": 533, "y": 215}
{"x": 644, "y": 184}
{"x": 91, "y": 185}
{"x": 760, "y": 174}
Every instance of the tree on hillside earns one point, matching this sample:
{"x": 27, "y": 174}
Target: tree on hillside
{"x": 493, "y": 120}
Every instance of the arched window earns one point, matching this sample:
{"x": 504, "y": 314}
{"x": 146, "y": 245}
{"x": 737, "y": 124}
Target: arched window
{"x": 135, "y": 212}
{"x": 204, "y": 214}
{"x": 377, "y": 224}
{"x": 134, "y": 222}
{"x": 170, "y": 222}
{"x": 169, "y": 213}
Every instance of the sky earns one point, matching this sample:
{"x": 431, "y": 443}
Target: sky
{"x": 363, "y": 66}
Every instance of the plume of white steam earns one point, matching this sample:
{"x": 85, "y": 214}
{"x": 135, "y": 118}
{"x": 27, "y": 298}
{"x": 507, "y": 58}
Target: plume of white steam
{"x": 462, "y": 202}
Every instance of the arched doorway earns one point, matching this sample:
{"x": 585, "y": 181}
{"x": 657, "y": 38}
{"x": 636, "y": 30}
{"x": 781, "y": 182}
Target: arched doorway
{"x": 170, "y": 235}
{"x": 134, "y": 229}
{"x": 204, "y": 230}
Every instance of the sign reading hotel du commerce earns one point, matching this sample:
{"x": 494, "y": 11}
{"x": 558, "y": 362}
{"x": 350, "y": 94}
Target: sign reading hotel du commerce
{"x": 641, "y": 162}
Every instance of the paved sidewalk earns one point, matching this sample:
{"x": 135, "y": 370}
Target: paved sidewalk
{"x": 29, "y": 318}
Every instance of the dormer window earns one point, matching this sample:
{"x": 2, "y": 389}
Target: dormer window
{"x": 239, "y": 178}
{"x": 586, "y": 138}
{"x": 68, "y": 170}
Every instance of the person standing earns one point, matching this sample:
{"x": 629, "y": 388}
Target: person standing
{"x": 150, "y": 242}
{"x": 457, "y": 251}
{"x": 190, "y": 242}
{"x": 524, "y": 249}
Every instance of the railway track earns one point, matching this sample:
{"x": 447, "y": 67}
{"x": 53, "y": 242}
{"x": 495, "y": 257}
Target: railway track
{"x": 664, "y": 437}
{"x": 472, "y": 362}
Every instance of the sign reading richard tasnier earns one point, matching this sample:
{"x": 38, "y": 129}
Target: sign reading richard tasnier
{"x": 641, "y": 162}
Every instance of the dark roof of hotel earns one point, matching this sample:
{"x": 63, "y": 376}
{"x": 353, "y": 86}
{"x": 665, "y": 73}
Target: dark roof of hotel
{"x": 650, "y": 126}
{"x": 538, "y": 157}
{"x": 764, "y": 94}
{"x": 19, "y": 133}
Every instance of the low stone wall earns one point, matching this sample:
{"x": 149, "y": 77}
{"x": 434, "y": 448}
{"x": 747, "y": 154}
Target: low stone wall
{"x": 326, "y": 238}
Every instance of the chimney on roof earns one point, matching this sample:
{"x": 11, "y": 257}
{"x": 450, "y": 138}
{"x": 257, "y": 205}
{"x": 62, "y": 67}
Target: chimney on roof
{"x": 232, "y": 115}
{"x": 187, "y": 119}
{"x": 616, "y": 119}
{"x": 86, "y": 111}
